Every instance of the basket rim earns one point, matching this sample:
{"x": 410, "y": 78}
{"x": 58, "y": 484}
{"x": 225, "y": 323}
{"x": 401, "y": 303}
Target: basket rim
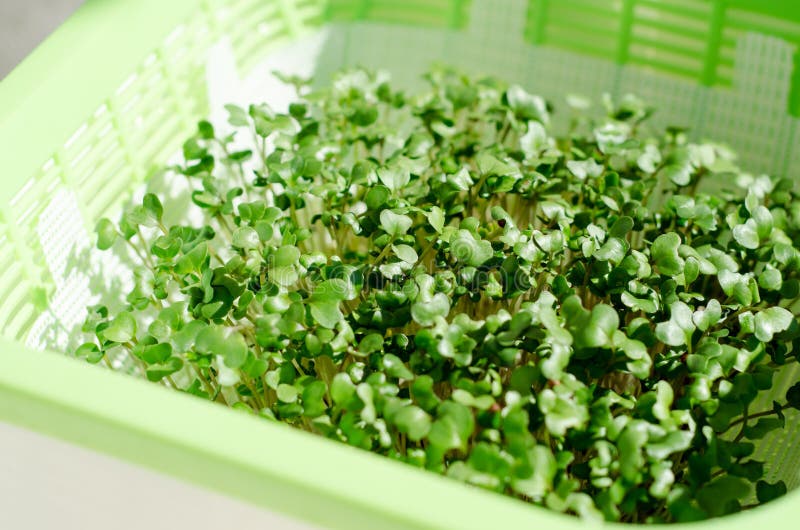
{"x": 49, "y": 95}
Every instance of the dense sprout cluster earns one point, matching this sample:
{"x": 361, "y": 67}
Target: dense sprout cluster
{"x": 441, "y": 279}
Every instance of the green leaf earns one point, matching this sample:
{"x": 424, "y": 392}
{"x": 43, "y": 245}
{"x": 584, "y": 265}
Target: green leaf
{"x": 680, "y": 174}
{"x": 708, "y": 316}
{"x": 219, "y": 340}
{"x": 770, "y": 279}
{"x": 287, "y": 393}
{"x": 613, "y": 250}
{"x": 205, "y": 130}
{"x": 343, "y": 391}
{"x": 377, "y": 197}
{"x": 255, "y": 367}
{"x": 157, "y": 372}
{"x": 602, "y": 325}
{"x": 525, "y": 105}
{"x": 392, "y": 270}
{"x": 140, "y": 215}
{"x": 405, "y": 253}
{"x": 394, "y": 177}
{"x": 766, "y": 492}
{"x": 747, "y": 234}
{"x": 166, "y": 247}
{"x": 413, "y": 422}
{"x": 452, "y": 428}
{"x": 673, "y": 442}
{"x": 762, "y": 218}
{"x": 153, "y": 205}
{"x": 423, "y": 394}
{"x": 121, "y": 329}
{"x": 649, "y": 160}
{"x": 665, "y": 254}
{"x": 648, "y": 305}
{"x": 584, "y": 168}
{"x": 106, "y": 234}
{"x": 590, "y": 329}
{"x": 465, "y": 247}
{"x": 534, "y": 141}
{"x": 184, "y": 338}
{"x": 735, "y": 285}
{"x": 629, "y": 445}
{"x": 561, "y": 412}
{"x": 192, "y": 261}
{"x": 763, "y": 427}
{"x": 314, "y": 399}
{"x": 364, "y": 115}
{"x": 154, "y": 353}
{"x": 715, "y": 495}
{"x": 784, "y": 253}
{"x": 463, "y": 397}
{"x": 771, "y": 321}
{"x": 691, "y": 270}
{"x": 395, "y": 224}
{"x": 90, "y": 352}
{"x": 324, "y": 302}
{"x": 286, "y": 256}
{"x": 426, "y": 312}
{"x": 395, "y": 368}
{"x": 326, "y": 313}
{"x": 192, "y": 150}
{"x": 237, "y": 116}
{"x": 639, "y": 363}
{"x": 621, "y": 227}
{"x": 436, "y": 218}
{"x": 461, "y": 180}
{"x": 366, "y": 395}
{"x": 371, "y": 343}
{"x": 793, "y": 396}
{"x": 246, "y": 238}
{"x": 678, "y": 330}
{"x": 543, "y": 469}
{"x": 488, "y": 164}
{"x": 664, "y": 397}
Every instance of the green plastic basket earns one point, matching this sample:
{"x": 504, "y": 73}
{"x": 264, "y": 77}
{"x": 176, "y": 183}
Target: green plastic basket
{"x": 107, "y": 99}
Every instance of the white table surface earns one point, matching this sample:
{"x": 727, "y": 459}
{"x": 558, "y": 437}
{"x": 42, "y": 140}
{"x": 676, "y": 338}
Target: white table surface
{"x": 50, "y": 484}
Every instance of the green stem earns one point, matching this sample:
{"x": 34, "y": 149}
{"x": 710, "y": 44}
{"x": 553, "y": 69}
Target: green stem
{"x": 147, "y": 258}
{"x": 746, "y": 417}
{"x": 223, "y": 223}
{"x": 209, "y": 389}
{"x": 240, "y": 171}
{"x": 137, "y": 252}
{"x": 426, "y": 250}
{"x": 172, "y": 382}
{"x": 382, "y": 255}
{"x": 298, "y": 367}
{"x": 473, "y": 194}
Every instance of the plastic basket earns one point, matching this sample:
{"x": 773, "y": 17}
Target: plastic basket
{"x": 109, "y": 97}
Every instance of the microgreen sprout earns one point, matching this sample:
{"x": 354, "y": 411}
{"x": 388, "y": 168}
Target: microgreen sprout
{"x": 439, "y": 278}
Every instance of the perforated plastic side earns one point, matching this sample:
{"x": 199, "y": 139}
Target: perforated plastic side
{"x": 129, "y": 136}
{"x": 425, "y": 13}
{"x": 693, "y": 39}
